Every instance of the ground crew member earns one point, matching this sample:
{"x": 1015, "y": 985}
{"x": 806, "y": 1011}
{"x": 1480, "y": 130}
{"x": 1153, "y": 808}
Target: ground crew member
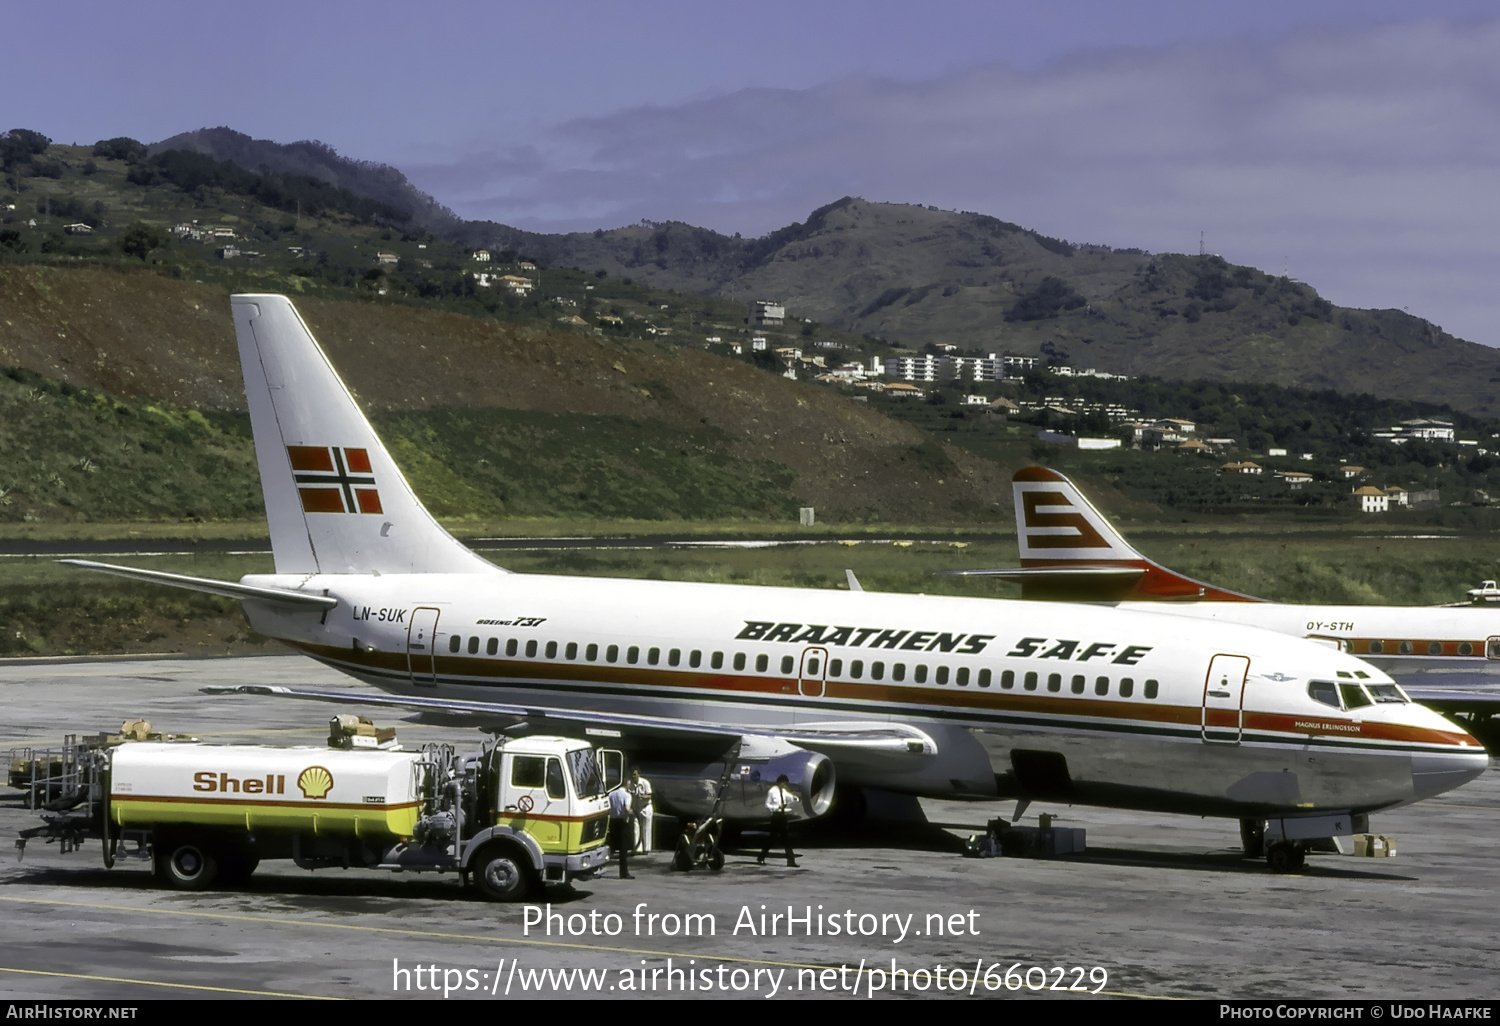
{"x": 619, "y": 827}
{"x": 641, "y": 811}
{"x": 780, "y": 800}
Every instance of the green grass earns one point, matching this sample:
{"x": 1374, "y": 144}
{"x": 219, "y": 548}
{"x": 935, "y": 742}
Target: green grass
{"x": 49, "y": 609}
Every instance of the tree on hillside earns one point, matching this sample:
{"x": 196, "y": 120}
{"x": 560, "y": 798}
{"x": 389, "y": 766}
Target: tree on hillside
{"x": 122, "y": 147}
{"x": 1051, "y": 296}
{"x": 19, "y": 145}
{"x": 141, "y": 238}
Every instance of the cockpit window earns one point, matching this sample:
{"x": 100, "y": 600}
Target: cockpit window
{"x": 1354, "y": 696}
{"x": 1386, "y": 693}
{"x": 1325, "y": 692}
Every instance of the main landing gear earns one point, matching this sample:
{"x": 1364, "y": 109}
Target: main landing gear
{"x": 1281, "y": 855}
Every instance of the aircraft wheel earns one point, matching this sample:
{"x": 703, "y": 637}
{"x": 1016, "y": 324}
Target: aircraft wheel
{"x": 502, "y": 873}
{"x": 186, "y": 865}
{"x": 1253, "y": 837}
{"x": 715, "y": 859}
{"x": 1285, "y": 858}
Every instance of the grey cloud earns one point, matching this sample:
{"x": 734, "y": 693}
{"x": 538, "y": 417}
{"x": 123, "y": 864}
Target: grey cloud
{"x": 1366, "y": 164}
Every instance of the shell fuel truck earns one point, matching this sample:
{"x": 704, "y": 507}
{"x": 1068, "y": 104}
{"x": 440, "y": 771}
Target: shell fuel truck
{"x": 509, "y": 816}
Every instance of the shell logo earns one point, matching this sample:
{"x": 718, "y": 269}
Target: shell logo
{"x": 315, "y": 782}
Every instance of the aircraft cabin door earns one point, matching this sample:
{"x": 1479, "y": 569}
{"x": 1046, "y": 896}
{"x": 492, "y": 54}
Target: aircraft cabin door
{"x": 1224, "y": 699}
{"x": 813, "y": 672}
{"x": 421, "y": 637}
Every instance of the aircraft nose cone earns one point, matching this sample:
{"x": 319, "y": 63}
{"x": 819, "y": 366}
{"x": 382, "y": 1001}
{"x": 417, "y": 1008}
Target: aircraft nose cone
{"x": 1433, "y": 774}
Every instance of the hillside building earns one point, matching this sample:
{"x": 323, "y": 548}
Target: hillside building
{"x": 766, "y": 314}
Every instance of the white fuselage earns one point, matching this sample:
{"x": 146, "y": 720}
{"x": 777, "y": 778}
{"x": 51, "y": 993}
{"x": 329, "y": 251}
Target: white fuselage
{"x": 1129, "y": 709}
{"x": 1409, "y": 642}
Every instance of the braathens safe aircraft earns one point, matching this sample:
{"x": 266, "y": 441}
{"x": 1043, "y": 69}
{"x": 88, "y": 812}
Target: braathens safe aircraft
{"x": 1071, "y": 552}
{"x": 951, "y": 697}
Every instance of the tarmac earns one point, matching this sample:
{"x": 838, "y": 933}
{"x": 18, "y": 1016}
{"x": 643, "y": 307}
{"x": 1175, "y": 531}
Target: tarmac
{"x": 1157, "y": 907}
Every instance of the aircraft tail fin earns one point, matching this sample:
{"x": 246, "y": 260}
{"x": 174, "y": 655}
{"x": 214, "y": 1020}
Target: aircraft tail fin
{"x": 335, "y": 500}
{"x": 1070, "y": 550}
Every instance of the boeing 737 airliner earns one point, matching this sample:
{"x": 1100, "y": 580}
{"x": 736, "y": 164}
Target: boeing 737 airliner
{"x": 954, "y": 697}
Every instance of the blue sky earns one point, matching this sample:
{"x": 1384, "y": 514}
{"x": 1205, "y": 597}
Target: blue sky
{"x": 1352, "y": 145}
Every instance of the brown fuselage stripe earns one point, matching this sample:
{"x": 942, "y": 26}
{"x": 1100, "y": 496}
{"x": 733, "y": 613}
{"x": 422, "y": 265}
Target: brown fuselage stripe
{"x": 481, "y": 669}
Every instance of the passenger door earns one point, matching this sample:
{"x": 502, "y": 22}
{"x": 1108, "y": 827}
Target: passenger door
{"x": 1224, "y": 699}
{"x": 420, "y": 638}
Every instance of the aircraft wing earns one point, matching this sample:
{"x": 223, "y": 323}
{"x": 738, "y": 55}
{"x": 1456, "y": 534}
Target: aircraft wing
{"x": 1454, "y": 700}
{"x": 865, "y": 737}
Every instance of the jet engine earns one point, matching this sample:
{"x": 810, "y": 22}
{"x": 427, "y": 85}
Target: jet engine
{"x": 688, "y": 789}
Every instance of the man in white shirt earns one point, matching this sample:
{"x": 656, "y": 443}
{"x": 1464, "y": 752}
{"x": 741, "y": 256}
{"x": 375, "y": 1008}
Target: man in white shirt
{"x": 642, "y": 813}
{"x": 780, "y": 800}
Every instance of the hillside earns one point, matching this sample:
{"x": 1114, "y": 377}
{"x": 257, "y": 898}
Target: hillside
{"x": 488, "y": 417}
{"x": 920, "y": 275}
{"x": 914, "y": 275}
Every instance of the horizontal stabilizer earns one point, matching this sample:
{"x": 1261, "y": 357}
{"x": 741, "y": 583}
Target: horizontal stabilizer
{"x": 227, "y": 589}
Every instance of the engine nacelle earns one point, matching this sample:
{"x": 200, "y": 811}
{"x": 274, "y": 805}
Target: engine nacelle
{"x": 687, "y": 789}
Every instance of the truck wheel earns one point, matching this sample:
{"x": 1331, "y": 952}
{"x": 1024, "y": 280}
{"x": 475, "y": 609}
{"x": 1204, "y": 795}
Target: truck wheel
{"x": 186, "y": 865}
{"x": 502, "y": 873}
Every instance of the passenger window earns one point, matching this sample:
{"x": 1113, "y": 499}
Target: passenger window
{"x": 1151, "y": 689}
{"x": 717, "y": 662}
{"x": 1101, "y": 686}
{"x": 653, "y": 656}
{"x": 788, "y": 664}
{"x": 1127, "y": 687}
{"x": 555, "y": 786}
{"x": 1404, "y": 648}
{"x": 1465, "y": 649}
{"x": 835, "y": 667}
{"x": 812, "y": 666}
{"x": 739, "y": 660}
{"x": 528, "y": 771}
{"x": 857, "y": 669}
{"x": 1377, "y": 647}
{"x": 551, "y": 650}
{"x": 531, "y": 649}
{"x": 1030, "y": 680}
{"x": 510, "y": 647}
{"x": 984, "y": 677}
{"x": 612, "y": 653}
{"x": 877, "y": 671}
{"x": 761, "y": 662}
{"x": 492, "y": 647}
{"x": 696, "y": 659}
{"x": 591, "y": 653}
{"x": 963, "y": 676}
{"x": 473, "y": 646}
{"x": 674, "y": 657}
{"x": 454, "y": 643}
{"x": 633, "y": 654}
{"x": 898, "y": 671}
{"x": 1007, "y": 679}
{"x": 1078, "y": 684}
{"x": 1054, "y": 682}
{"x": 1354, "y": 696}
{"x": 572, "y": 650}
{"x": 1324, "y": 691}
{"x": 942, "y": 674}
{"x": 919, "y": 673}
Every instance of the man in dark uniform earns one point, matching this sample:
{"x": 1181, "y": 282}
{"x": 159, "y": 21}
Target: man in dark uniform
{"x": 780, "y": 800}
{"x": 620, "y": 838}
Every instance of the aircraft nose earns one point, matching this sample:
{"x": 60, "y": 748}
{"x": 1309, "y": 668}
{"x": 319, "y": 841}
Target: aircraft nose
{"x": 1434, "y": 774}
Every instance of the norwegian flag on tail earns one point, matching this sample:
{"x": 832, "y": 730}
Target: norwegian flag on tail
{"x": 332, "y": 479}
